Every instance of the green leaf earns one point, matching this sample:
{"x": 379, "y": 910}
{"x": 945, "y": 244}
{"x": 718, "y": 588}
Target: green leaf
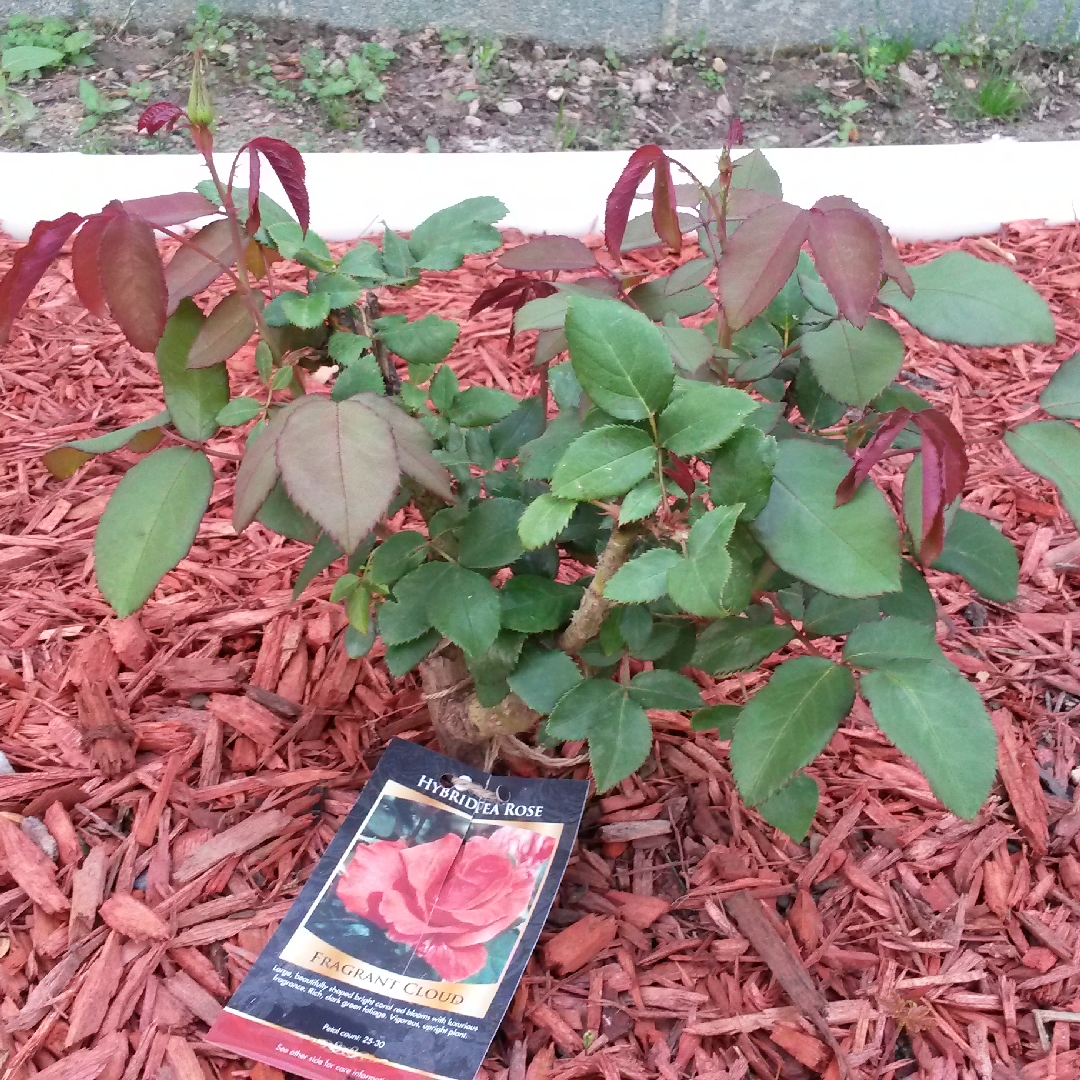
{"x": 441, "y": 241}
{"x": 619, "y": 357}
{"x": 619, "y": 733}
{"x": 24, "y": 58}
{"x": 565, "y": 388}
{"x": 742, "y": 471}
{"x": 396, "y": 556}
{"x": 359, "y": 644}
{"x": 489, "y": 538}
{"x": 703, "y": 418}
{"x": 363, "y": 261}
{"x": 787, "y": 723}
{"x": 604, "y": 463}
{"x": 323, "y": 554}
{"x": 149, "y": 524}
{"x": 1051, "y": 448}
{"x": 341, "y": 289}
{"x": 424, "y": 341}
{"x": 851, "y": 550}
{"x": 934, "y": 715}
{"x": 854, "y": 365}
{"x": 345, "y": 586}
{"x": 737, "y": 644}
{"x": 465, "y": 608}
{"x": 972, "y": 302}
{"x": 523, "y": 425}
{"x": 443, "y": 389}
{"x": 665, "y": 690}
{"x": 883, "y": 642}
{"x": 533, "y": 604}
{"x": 479, "y": 406}
{"x": 818, "y": 409}
{"x": 544, "y": 518}
{"x": 792, "y": 808}
{"x": 640, "y": 501}
{"x": 305, "y": 311}
{"x": 642, "y": 579}
{"x": 539, "y": 457}
{"x": 689, "y": 347}
{"x": 239, "y": 411}
{"x": 114, "y": 440}
{"x": 339, "y": 463}
{"x": 406, "y": 617}
{"x": 544, "y": 313}
{"x": 542, "y": 678}
{"x": 360, "y": 376}
{"x": 914, "y": 600}
{"x": 281, "y": 515}
{"x": 193, "y": 398}
{"x": 830, "y": 616}
{"x": 1062, "y": 394}
{"x": 754, "y": 171}
{"x": 984, "y": 558}
{"x": 722, "y": 718}
{"x": 397, "y": 258}
{"x": 697, "y": 582}
{"x": 401, "y": 659}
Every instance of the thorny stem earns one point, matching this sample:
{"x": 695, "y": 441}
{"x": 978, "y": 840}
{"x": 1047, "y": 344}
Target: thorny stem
{"x": 590, "y": 613}
{"x": 203, "y": 447}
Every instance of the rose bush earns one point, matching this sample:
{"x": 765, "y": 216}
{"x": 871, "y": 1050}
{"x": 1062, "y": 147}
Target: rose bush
{"x": 445, "y": 898}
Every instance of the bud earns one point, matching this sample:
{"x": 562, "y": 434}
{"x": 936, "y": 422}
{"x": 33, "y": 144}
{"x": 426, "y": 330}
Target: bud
{"x": 199, "y": 110}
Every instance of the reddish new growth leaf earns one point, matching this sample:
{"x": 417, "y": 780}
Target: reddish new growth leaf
{"x": 288, "y": 164}
{"x": 161, "y": 114}
{"x": 513, "y": 293}
{"x": 944, "y": 469}
{"x": 847, "y": 254}
{"x": 869, "y": 455}
{"x": 549, "y": 253}
{"x": 163, "y": 211}
{"x": 665, "y": 215}
{"x": 735, "y": 133}
{"x": 84, "y": 262}
{"x": 133, "y": 279}
{"x": 30, "y": 263}
{"x": 891, "y": 266}
{"x": 680, "y": 472}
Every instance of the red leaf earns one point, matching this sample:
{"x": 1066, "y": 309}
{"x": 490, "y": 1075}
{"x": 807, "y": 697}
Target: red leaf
{"x": 680, "y": 472}
{"x": 166, "y": 210}
{"x": 254, "y": 218}
{"x": 869, "y": 455}
{"x": 189, "y": 271}
{"x": 162, "y": 114}
{"x": 665, "y": 210}
{"x": 225, "y": 331}
{"x": 288, "y": 164}
{"x": 891, "y": 266}
{"x": 134, "y": 280}
{"x": 944, "y": 469}
{"x": 617, "y": 210}
{"x": 759, "y": 258}
{"x": 84, "y": 262}
{"x": 30, "y": 263}
{"x": 513, "y": 293}
{"x": 549, "y": 253}
{"x": 847, "y": 254}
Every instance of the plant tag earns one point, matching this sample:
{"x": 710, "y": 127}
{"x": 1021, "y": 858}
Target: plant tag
{"x": 403, "y": 950}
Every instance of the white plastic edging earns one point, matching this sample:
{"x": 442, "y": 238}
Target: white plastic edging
{"x": 920, "y": 192}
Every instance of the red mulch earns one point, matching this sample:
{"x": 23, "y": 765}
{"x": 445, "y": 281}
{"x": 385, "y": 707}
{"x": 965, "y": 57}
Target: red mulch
{"x": 156, "y": 752}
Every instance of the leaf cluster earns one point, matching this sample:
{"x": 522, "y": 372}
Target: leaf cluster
{"x": 713, "y": 476}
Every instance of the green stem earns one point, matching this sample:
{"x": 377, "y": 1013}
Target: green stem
{"x": 594, "y": 606}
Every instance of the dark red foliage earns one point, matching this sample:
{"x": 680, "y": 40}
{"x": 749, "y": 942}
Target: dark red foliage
{"x": 869, "y": 455}
{"x": 161, "y": 114}
{"x": 288, "y": 164}
{"x": 30, "y": 263}
{"x": 944, "y": 469}
{"x": 665, "y": 215}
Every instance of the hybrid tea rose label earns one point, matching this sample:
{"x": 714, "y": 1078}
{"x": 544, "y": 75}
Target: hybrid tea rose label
{"x": 403, "y": 950}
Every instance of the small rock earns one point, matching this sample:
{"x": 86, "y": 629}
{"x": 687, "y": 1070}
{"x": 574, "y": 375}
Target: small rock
{"x": 718, "y": 65}
{"x": 511, "y": 107}
{"x": 642, "y": 88}
{"x": 911, "y": 79}
{"x": 723, "y": 106}
{"x": 36, "y": 830}
{"x": 555, "y": 93}
{"x": 1075, "y": 125}
{"x": 765, "y": 76}
{"x": 538, "y": 52}
{"x": 970, "y": 83}
{"x": 931, "y": 73}
{"x": 584, "y": 83}
{"x": 664, "y": 87}
{"x": 163, "y": 37}
{"x": 976, "y": 615}
{"x": 589, "y": 66}
{"x": 474, "y": 106}
{"x": 343, "y": 45}
{"x": 474, "y": 121}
